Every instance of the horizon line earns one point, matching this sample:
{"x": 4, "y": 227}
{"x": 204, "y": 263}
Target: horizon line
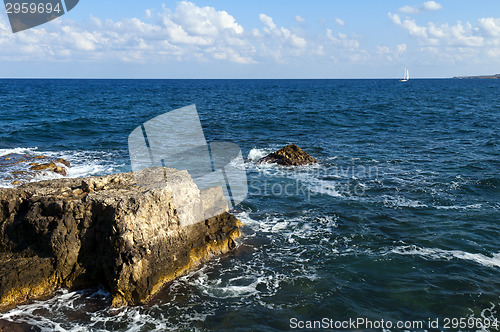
{"x": 263, "y": 78}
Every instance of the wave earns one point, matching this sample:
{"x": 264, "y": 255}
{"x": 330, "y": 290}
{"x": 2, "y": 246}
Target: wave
{"x": 256, "y": 154}
{"x": 318, "y": 186}
{"x": 4, "y": 152}
{"x": 458, "y": 207}
{"x": 400, "y": 202}
{"x": 441, "y": 254}
{"x": 239, "y": 287}
{"x": 83, "y": 164}
{"x": 63, "y": 300}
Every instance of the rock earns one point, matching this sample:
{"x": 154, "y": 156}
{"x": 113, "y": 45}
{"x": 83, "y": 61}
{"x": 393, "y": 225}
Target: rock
{"x": 24, "y": 167}
{"x": 106, "y": 231}
{"x": 64, "y": 162}
{"x": 290, "y": 155}
{"x": 60, "y": 170}
{"x": 43, "y": 167}
{"x": 6, "y": 326}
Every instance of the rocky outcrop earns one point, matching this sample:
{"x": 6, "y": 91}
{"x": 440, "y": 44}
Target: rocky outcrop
{"x": 290, "y": 155}
{"x": 108, "y": 231}
{"x": 24, "y": 167}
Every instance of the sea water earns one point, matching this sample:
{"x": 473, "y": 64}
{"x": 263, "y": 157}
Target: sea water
{"x": 399, "y": 220}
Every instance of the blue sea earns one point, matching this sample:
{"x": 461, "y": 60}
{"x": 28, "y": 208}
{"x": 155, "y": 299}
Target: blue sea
{"x": 398, "y": 222}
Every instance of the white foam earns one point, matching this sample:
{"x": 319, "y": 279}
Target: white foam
{"x": 83, "y": 164}
{"x": 303, "y": 227}
{"x": 4, "y": 152}
{"x": 256, "y": 154}
{"x": 400, "y": 201}
{"x": 34, "y": 313}
{"x": 89, "y": 169}
{"x": 214, "y": 288}
{"x": 436, "y": 253}
{"x": 324, "y": 187}
{"x": 458, "y": 207}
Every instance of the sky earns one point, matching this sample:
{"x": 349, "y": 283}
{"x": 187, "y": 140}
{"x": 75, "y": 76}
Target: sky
{"x": 258, "y": 39}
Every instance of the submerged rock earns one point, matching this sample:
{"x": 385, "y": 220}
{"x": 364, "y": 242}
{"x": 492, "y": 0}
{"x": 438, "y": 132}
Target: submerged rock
{"x": 107, "y": 231}
{"x": 51, "y": 166}
{"x": 290, "y": 155}
{"x": 24, "y": 167}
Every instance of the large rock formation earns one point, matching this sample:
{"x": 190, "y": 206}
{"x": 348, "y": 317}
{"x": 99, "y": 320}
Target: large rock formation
{"x": 106, "y": 231}
{"x": 290, "y": 155}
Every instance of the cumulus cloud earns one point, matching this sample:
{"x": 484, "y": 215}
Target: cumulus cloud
{"x": 410, "y": 25}
{"x": 190, "y": 24}
{"x": 452, "y": 43}
{"x": 460, "y": 34}
{"x": 426, "y": 6}
{"x": 278, "y": 42}
{"x": 432, "y": 5}
{"x": 188, "y": 31}
{"x": 490, "y": 26}
{"x": 268, "y": 21}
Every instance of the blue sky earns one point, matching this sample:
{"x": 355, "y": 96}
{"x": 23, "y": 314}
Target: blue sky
{"x": 258, "y": 39}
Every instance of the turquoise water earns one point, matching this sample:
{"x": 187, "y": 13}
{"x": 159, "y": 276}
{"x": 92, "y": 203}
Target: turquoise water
{"x": 400, "y": 220}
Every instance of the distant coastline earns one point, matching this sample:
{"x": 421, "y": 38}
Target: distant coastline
{"x": 496, "y": 76}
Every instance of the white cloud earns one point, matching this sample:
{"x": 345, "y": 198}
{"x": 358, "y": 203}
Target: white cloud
{"x": 494, "y": 52}
{"x": 342, "y": 40}
{"x": 410, "y": 25}
{"x": 426, "y": 6}
{"x": 188, "y": 31}
{"x": 204, "y": 21}
{"x": 278, "y": 43}
{"x": 432, "y": 5}
{"x": 391, "y": 53}
{"x": 490, "y": 26}
{"x": 300, "y": 19}
{"x": 409, "y": 10}
{"x": 339, "y": 21}
{"x": 268, "y": 21}
{"x": 342, "y": 47}
{"x": 452, "y": 43}
{"x": 449, "y": 35}
{"x": 401, "y": 48}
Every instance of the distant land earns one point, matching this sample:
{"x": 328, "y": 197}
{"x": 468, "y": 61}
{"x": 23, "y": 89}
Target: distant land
{"x": 479, "y": 77}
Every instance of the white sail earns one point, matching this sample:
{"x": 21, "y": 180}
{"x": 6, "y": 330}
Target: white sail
{"x": 406, "y": 76}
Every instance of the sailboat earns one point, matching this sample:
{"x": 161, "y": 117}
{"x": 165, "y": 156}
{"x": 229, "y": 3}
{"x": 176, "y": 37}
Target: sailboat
{"x": 406, "y": 76}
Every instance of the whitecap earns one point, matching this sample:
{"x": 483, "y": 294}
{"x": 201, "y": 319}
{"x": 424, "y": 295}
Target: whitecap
{"x": 458, "y": 207}
{"x": 399, "y": 201}
{"x": 4, "y": 152}
{"x": 439, "y": 254}
{"x": 256, "y": 154}
{"x": 83, "y": 164}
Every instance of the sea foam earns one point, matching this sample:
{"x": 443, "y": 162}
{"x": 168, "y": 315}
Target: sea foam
{"x": 441, "y": 254}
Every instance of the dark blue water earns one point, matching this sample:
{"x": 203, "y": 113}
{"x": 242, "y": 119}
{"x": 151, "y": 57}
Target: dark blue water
{"x": 400, "y": 220}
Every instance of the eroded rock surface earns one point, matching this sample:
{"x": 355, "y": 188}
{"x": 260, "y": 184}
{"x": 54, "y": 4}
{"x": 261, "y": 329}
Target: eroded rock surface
{"x": 77, "y": 233}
